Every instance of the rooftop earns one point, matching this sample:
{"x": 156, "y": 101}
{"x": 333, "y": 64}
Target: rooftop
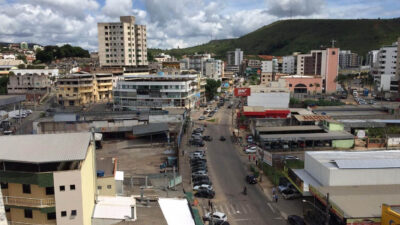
{"x": 348, "y": 199}
{"x": 115, "y": 207}
{"x": 331, "y": 135}
{"x": 310, "y": 118}
{"x": 289, "y": 128}
{"x": 11, "y": 99}
{"x": 105, "y": 164}
{"x": 149, "y": 129}
{"x": 44, "y": 148}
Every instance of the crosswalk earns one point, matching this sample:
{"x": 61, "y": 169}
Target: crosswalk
{"x": 228, "y": 208}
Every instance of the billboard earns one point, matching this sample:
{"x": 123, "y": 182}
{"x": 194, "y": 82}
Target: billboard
{"x": 241, "y": 92}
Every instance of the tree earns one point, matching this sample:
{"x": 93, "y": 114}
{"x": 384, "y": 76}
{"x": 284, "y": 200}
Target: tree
{"x": 3, "y": 85}
{"x": 211, "y": 88}
{"x": 22, "y": 57}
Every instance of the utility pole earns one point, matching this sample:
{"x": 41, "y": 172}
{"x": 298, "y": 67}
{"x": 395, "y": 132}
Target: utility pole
{"x": 328, "y": 207}
{"x": 333, "y": 43}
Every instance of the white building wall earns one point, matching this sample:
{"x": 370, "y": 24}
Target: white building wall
{"x": 270, "y": 100}
{"x": 288, "y": 64}
{"x": 316, "y": 169}
{"x": 354, "y": 177}
{"x": 69, "y": 199}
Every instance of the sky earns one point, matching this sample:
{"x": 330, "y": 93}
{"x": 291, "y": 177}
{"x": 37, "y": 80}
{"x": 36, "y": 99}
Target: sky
{"x": 170, "y": 23}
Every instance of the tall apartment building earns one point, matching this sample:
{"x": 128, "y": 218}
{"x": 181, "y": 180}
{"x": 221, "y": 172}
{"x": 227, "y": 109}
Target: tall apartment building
{"x": 84, "y": 88}
{"x": 269, "y": 66}
{"x": 213, "y": 69}
{"x": 324, "y": 63}
{"x": 372, "y": 58}
{"x": 254, "y": 63}
{"x": 234, "y": 60}
{"x": 122, "y": 44}
{"x": 289, "y": 64}
{"x": 384, "y": 70}
{"x": 348, "y": 59}
{"x": 157, "y": 92}
{"x": 48, "y": 178}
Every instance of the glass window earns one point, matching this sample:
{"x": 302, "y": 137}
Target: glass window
{"x": 26, "y": 188}
{"x": 63, "y": 213}
{"x": 4, "y": 185}
{"x": 108, "y": 186}
{"x": 72, "y": 187}
{"x": 99, "y": 187}
{"x": 62, "y": 188}
{"x": 28, "y": 213}
{"x": 51, "y": 216}
{"x": 49, "y": 190}
{"x": 73, "y": 212}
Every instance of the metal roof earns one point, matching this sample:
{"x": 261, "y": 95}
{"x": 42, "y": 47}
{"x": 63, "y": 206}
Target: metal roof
{"x": 289, "y": 128}
{"x": 44, "y": 148}
{"x": 310, "y": 118}
{"x": 332, "y": 135}
{"x": 11, "y": 99}
{"x": 148, "y": 129}
{"x": 367, "y": 163}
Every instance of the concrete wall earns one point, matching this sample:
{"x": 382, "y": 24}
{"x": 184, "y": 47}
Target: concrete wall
{"x": 316, "y": 169}
{"x": 165, "y": 118}
{"x": 343, "y": 143}
{"x": 272, "y": 100}
{"x": 108, "y": 186}
{"x": 17, "y": 215}
{"x": 69, "y": 199}
{"x": 332, "y": 67}
{"x": 88, "y": 179}
{"x": 354, "y": 177}
{"x": 393, "y": 141}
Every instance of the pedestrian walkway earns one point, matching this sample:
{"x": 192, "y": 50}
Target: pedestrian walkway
{"x": 229, "y": 208}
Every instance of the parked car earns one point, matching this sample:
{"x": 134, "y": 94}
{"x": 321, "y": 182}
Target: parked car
{"x": 200, "y": 178}
{"x": 222, "y": 138}
{"x": 295, "y": 220}
{"x": 285, "y": 186}
{"x": 202, "y": 118}
{"x": 207, "y": 138}
{"x": 250, "y": 139}
{"x": 291, "y": 157}
{"x": 202, "y": 173}
{"x": 216, "y": 216}
{"x": 203, "y": 181}
{"x": 251, "y": 179}
{"x": 251, "y": 150}
{"x": 205, "y": 194}
{"x": 291, "y": 193}
{"x": 203, "y": 187}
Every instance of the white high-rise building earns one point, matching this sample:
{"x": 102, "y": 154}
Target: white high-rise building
{"x": 213, "y": 69}
{"x": 122, "y": 44}
{"x": 372, "y": 57}
{"x": 234, "y": 58}
{"x": 269, "y": 66}
{"x": 289, "y": 64}
{"x": 384, "y": 70}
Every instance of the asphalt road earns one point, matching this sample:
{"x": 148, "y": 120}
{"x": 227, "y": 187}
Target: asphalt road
{"x": 228, "y": 172}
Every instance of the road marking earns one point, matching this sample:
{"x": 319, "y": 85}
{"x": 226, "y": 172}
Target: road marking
{"x": 246, "y": 208}
{"x": 233, "y": 209}
{"x": 284, "y": 215}
{"x": 270, "y": 206}
{"x": 241, "y": 219}
{"x": 278, "y": 218}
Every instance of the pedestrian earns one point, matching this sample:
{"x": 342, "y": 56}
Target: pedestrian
{"x": 273, "y": 191}
{"x": 276, "y": 198}
{"x": 256, "y": 162}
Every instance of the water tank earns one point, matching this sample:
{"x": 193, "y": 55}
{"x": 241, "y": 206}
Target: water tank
{"x": 100, "y": 173}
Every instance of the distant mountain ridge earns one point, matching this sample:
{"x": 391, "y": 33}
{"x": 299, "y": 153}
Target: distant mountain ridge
{"x": 302, "y": 35}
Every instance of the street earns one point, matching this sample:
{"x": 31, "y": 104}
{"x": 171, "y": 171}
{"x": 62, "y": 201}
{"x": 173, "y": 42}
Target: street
{"x": 228, "y": 173}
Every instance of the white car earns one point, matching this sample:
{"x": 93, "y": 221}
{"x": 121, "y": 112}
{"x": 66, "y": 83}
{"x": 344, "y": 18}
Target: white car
{"x": 203, "y": 187}
{"x": 216, "y": 216}
{"x": 252, "y": 149}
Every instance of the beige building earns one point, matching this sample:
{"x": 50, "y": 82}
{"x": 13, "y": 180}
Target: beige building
{"x": 84, "y": 88}
{"x": 266, "y": 78}
{"x": 48, "y": 178}
{"x": 122, "y": 44}
{"x": 28, "y": 81}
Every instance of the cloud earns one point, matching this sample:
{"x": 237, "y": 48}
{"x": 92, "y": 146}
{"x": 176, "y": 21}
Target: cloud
{"x": 289, "y": 8}
{"x": 116, "y": 8}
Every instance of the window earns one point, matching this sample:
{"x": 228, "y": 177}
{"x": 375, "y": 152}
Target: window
{"x": 49, "y": 190}
{"x": 28, "y": 213}
{"x": 26, "y": 188}
{"x": 333, "y": 53}
{"x": 122, "y": 38}
{"x": 99, "y": 187}
{"x": 63, "y": 213}
{"x": 106, "y": 33}
{"x": 107, "y": 50}
{"x": 4, "y": 185}
{"x": 51, "y": 216}
{"x": 62, "y": 188}
{"x": 290, "y": 85}
{"x": 106, "y": 38}
{"x": 72, "y": 187}
{"x": 108, "y": 186}
{"x": 73, "y": 212}
{"x": 7, "y": 209}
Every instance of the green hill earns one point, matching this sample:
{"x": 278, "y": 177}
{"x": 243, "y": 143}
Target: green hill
{"x": 287, "y": 36}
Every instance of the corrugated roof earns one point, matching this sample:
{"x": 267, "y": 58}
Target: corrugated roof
{"x": 148, "y": 129}
{"x": 289, "y": 128}
{"x": 44, "y": 148}
{"x": 367, "y": 163}
{"x": 332, "y": 135}
{"x": 310, "y": 118}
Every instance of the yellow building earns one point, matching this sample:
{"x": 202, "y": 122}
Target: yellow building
{"x": 48, "y": 178}
{"x": 106, "y": 170}
{"x": 390, "y": 214}
{"x": 84, "y": 88}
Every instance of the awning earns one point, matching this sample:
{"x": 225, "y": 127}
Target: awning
{"x": 150, "y": 129}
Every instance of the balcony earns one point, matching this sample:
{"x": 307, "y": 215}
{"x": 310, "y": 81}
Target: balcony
{"x": 29, "y": 202}
{"x": 105, "y": 83}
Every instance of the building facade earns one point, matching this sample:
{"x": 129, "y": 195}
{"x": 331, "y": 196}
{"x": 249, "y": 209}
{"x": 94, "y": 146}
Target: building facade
{"x": 122, "y": 44}
{"x": 55, "y": 185}
{"x": 234, "y": 57}
{"x": 84, "y": 88}
{"x": 348, "y": 59}
{"x": 270, "y": 66}
{"x": 289, "y": 64}
{"x": 157, "y": 92}
{"x": 31, "y": 82}
{"x": 213, "y": 69}
{"x": 384, "y": 70}
{"x": 372, "y": 57}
